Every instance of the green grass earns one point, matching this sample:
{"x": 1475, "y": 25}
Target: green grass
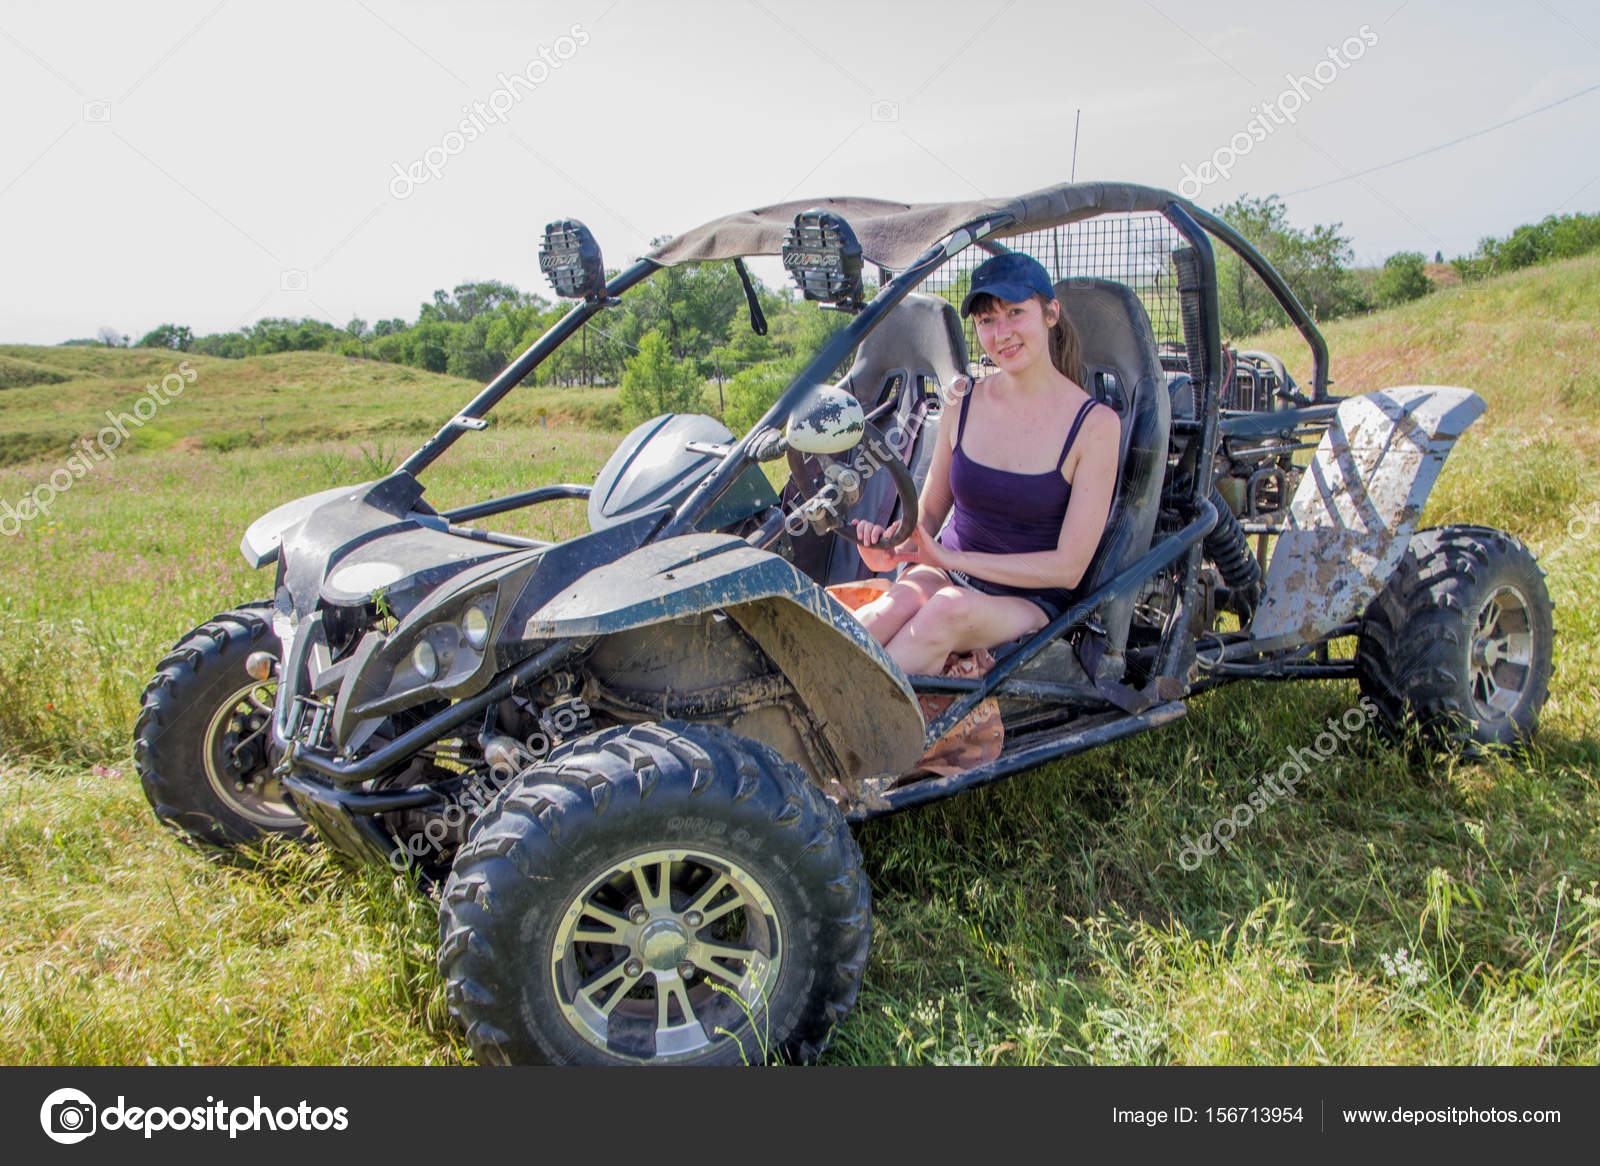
{"x": 1045, "y": 920}
{"x": 289, "y": 398}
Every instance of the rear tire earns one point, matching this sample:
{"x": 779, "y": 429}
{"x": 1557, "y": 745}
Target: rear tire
{"x": 202, "y": 743}
{"x": 1461, "y": 638}
{"x": 655, "y": 894}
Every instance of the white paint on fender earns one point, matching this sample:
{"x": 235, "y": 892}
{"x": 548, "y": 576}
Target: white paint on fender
{"x": 1357, "y": 506}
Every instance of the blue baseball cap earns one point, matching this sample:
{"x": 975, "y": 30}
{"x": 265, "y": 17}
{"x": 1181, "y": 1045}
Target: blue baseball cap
{"x": 1012, "y": 277}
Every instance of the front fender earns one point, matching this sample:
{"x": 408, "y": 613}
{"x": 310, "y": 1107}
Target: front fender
{"x": 860, "y": 697}
{"x": 1357, "y": 507}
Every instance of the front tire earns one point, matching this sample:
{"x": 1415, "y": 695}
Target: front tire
{"x": 1462, "y": 638}
{"x": 655, "y": 894}
{"x": 202, "y": 743}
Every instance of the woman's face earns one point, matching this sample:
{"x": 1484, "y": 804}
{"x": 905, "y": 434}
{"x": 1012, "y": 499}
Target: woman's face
{"x": 1014, "y": 335}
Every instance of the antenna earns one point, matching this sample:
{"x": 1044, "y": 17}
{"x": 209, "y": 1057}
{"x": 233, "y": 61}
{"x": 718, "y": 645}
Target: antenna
{"x": 1076, "y": 118}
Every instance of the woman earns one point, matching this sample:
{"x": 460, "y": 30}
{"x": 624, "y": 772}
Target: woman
{"x": 1030, "y": 467}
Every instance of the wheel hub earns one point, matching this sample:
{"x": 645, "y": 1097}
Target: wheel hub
{"x": 663, "y": 945}
{"x": 237, "y": 757}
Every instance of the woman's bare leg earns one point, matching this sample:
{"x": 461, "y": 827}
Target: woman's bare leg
{"x": 887, "y": 614}
{"x": 955, "y": 619}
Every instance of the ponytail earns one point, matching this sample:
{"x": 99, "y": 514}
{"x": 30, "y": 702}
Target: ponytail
{"x": 1066, "y": 350}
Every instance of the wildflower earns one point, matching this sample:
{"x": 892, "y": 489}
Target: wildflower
{"x": 1411, "y": 972}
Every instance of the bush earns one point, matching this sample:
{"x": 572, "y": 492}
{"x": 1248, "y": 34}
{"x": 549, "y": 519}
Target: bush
{"x": 654, "y": 383}
{"x": 752, "y": 390}
{"x": 16, "y": 373}
{"x": 1554, "y": 237}
{"x": 1402, "y": 279}
{"x": 1314, "y": 263}
{"x": 174, "y": 336}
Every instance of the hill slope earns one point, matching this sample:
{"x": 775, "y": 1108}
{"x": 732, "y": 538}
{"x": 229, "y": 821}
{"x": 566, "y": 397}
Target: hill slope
{"x": 53, "y": 396}
{"x": 1528, "y": 342}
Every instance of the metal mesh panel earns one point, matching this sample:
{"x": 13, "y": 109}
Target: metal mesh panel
{"x": 1132, "y": 249}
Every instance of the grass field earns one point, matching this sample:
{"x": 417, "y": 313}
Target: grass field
{"x": 1398, "y": 910}
{"x": 51, "y": 396}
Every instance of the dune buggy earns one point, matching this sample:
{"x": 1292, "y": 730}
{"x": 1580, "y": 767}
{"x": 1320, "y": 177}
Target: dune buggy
{"x": 628, "y": 762}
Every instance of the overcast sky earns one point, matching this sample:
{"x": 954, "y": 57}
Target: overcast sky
{"x": 211, "y": 163}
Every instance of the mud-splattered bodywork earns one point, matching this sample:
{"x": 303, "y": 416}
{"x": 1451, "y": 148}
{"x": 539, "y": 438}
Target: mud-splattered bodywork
{"x": 701, "y": 625}
{"x": 1357, "y": 507}
{"x": 708, "y": 626}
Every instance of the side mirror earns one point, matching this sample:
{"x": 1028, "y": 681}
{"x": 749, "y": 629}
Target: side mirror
{"x": 829, "y": 420}
{"x": 570, "y": 259}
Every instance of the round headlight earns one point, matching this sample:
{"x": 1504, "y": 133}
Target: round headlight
{"x": 475, "y": 626}
{"x": 425, "y": 660}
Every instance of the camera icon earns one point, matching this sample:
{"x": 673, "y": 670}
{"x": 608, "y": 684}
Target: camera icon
{"x": 68, "y": 1116}
{"x": 293, "y": 280}
{"x": 97, "y": 111}
{"x": 885, "y": 111}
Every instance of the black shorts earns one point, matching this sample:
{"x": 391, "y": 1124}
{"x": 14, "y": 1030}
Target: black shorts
{"x": 1052, "y": 603}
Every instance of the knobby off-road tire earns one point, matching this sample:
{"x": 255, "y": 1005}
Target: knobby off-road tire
{"x": 204, "y": 729}
{"x": 655, "y": 894}
{"x": 1461, "y": 638}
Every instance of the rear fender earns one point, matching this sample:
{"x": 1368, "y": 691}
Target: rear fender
{"x": 859, "y": 697}
{"x": 1357, "y": 507}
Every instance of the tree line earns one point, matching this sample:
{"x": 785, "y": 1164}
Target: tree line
{"x": 685, "y": 328}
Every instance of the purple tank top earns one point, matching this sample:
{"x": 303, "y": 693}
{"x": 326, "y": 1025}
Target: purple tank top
{"x": 1002, "y": 512}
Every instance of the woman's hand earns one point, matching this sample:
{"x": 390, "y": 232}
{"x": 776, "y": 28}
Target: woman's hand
{"x": 876, "y": 558}
{"x": 922, "y": 547}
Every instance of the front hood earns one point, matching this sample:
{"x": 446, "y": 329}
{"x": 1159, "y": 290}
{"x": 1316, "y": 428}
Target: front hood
{"x": 375, "y": 679}
{"x": 375, "y": 538}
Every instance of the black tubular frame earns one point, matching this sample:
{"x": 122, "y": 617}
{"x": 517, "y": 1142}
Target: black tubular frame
{"x": 1191, "y": 221}
{"x": 1076, "y": 737}
{"x": 1182, "y": 548}
{"x": 514, "y": 373}
{"x": 1298, "y": 315}
{"x": 402, "y": 748}
{"x": 516, "y": 501}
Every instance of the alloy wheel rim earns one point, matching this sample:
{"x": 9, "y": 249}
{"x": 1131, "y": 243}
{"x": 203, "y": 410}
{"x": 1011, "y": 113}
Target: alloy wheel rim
{"x": 238, "y": 734}
{"x": 665, "y": 954}
{"x": 1501, "y": 654}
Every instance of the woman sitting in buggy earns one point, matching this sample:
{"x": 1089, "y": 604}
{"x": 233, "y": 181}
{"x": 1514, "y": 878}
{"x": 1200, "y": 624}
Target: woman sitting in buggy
{"x": 1019, "y": 537}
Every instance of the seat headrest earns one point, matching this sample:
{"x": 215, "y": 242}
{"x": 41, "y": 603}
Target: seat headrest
{"x": 922, "y": 334}
{"x": 1116, "y": 336}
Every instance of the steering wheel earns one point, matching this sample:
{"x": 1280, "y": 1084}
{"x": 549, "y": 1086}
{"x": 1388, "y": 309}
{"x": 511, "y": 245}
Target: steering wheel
{"x": 871, "y": 454}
